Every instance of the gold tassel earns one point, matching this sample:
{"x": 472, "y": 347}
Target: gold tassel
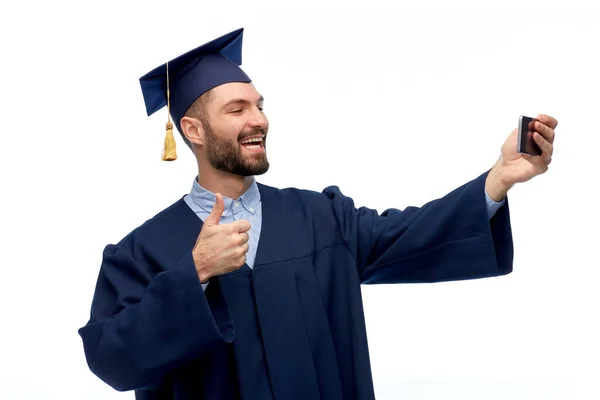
{"x": 169, "y": 151}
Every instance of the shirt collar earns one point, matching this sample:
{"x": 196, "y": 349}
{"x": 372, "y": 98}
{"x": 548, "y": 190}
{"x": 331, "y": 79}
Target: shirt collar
{"x": 206, "y": 200}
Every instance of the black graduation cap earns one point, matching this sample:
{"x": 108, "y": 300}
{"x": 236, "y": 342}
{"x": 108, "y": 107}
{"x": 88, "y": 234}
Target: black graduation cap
{"x": 179, "y": 82}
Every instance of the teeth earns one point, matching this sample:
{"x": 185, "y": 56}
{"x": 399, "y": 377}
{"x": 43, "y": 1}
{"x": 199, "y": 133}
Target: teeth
{"x": 253, "y": 140}
{"x": 254, "y": 146}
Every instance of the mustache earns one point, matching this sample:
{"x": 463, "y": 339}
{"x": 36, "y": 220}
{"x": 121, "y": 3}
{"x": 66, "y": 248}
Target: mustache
{"x": 254, "y": 132}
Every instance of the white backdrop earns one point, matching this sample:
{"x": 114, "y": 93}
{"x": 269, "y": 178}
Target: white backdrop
{"x": 396, "y": 105}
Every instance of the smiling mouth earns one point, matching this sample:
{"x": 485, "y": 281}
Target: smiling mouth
{"x": 254, "y": 143}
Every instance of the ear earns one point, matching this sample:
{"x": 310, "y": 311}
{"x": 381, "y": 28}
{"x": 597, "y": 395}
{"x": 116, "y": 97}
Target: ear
{"x": 192, "y": 130}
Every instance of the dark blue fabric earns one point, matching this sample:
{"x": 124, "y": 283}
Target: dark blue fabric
{"x": 292, "y": 327}
{"x": 194, "y": 73}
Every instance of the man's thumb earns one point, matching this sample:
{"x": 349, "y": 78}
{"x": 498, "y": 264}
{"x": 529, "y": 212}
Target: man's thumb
{"x": 215, "y": 215}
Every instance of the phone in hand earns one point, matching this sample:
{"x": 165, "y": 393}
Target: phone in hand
{"x": 525, "y": 142}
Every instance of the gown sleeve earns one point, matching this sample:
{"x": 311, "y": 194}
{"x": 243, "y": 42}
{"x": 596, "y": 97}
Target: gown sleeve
{"x": 450, "y": 238}
{"x": 142, "y": 326}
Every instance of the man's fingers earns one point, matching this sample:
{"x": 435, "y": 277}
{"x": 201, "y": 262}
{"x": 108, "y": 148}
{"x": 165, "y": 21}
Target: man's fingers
{"x": 236, "y": 227}
{"x": 545, "y": 146}
{"x": 215, "y": 215}
{"x": 545, "y": 131}
{"x": 243, "y": 237}
{"x": 240, "y": 253}
{"x": 537, "y": 162}
{"x": 542, "y": 161}
{"x": 240, "y": 226}
{"x": 245, "y": 248}
{"x": 547, "y": 120}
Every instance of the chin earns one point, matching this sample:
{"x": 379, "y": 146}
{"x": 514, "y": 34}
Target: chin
{"x": 249, "y": 168}
{"x": 262, "y": 170}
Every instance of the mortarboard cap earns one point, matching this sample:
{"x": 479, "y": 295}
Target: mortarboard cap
{"x": 179, "y": 82}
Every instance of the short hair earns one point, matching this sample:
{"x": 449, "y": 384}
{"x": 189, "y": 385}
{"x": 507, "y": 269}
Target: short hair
{"x": 198, "y": 110}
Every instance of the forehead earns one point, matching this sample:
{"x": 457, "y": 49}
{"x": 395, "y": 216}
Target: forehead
{"x": 234, "y": 90}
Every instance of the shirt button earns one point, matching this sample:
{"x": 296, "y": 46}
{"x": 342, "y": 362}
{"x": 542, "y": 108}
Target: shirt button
{"x": 236, "y": 204}
{"x": 251, "y": 209}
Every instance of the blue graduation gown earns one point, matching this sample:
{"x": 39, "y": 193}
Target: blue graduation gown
{"x": 293, "y": 326}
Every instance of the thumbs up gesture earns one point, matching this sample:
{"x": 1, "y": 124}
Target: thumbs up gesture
{"x": 220, "y": 248}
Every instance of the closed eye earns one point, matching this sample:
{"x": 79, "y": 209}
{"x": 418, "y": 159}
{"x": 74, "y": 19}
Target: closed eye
{"x": 239, "y": 111}
{"x": 241, "y": 103}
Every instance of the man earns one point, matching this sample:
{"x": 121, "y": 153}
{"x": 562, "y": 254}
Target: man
{"x": 240, "y": 290}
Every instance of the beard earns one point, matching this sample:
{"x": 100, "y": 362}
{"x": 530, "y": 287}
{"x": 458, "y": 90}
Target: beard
{"x": 227, "y": 156}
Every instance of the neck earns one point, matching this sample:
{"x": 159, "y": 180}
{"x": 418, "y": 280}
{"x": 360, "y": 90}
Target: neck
{"x": 228, "y": 185}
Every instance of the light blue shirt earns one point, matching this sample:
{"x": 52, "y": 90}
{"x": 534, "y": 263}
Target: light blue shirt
{"x": 249, "y": 208}
{"x": 493, "y": 206}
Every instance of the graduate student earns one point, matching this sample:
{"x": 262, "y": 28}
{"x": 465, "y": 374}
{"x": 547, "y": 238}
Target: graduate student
{"x": 239, "y": 290}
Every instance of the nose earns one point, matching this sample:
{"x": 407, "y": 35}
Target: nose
{"x": 258, "y": 120}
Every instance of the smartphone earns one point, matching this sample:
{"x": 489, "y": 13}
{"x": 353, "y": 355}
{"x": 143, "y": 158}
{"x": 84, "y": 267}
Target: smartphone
{"x": 525, "y": 143}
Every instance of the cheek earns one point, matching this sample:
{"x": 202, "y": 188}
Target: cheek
{"x": 230, "y": 130}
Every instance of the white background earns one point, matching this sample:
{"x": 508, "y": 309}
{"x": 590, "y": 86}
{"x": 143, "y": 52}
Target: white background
{"x": 395, "y": 104}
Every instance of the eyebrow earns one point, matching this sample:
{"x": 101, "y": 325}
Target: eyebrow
{"x": 241, "y": 101}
